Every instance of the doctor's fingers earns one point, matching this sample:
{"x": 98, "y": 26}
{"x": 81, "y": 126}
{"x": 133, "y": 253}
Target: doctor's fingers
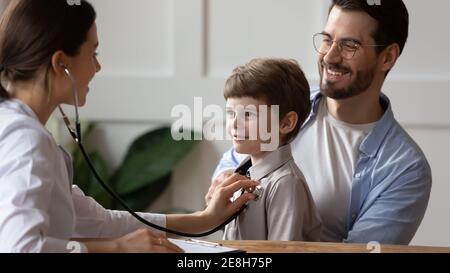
{"x": 241, "y": 201}
{"x": 164, "y": 245}
{"x": 232, "y": 179}
{"x": 212, "y": 189}
{"x": 137, "y": 241}
{"x": 231, "y": 189}
{"x": 215, "y": 184}
{"x": 150, "y": 233}
{"x": 144, "y": 240}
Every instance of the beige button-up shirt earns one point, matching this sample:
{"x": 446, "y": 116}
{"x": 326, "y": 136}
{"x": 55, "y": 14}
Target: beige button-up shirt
{"x": 285, "y": 211}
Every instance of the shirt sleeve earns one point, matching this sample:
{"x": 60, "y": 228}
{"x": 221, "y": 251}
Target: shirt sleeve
{"x": 396, "y": 214}
{"x": 291, "y": 214}
{"x": 94, "y": 221}
{"x": 229, "y": 161}
{"x": 26, "y": 182}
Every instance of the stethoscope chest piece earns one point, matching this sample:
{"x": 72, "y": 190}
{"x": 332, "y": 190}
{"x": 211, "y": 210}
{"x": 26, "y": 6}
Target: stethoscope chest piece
{"x": 258, "y": 192}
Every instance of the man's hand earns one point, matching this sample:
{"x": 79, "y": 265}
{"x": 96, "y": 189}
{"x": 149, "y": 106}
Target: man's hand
{"x": 217, "y": 182}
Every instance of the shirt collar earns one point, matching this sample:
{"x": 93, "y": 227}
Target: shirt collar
{"x": 20, "y": 106}
{"x": 270, "y": 162}
{"x": 315, "y": 99}
{"x": 371, "y": 144}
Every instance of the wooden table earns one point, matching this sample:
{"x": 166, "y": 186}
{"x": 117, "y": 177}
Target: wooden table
{"x": 307, "y": 247}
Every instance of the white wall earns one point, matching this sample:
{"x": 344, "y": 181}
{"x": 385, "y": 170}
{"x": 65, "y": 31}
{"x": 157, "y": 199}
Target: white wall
{"x": 160, "y": 53}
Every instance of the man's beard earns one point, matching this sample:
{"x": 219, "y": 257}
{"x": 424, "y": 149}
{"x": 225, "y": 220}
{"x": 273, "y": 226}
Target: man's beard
{"x": 361, "y": 83}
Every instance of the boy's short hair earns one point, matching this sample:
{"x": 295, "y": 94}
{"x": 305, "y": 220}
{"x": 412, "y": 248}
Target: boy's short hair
{"x": 276, "y": 81}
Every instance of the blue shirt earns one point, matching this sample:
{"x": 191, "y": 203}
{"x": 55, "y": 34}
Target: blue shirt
{"x": 391, "y": 182}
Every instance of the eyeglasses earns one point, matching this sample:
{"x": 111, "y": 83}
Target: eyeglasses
{"x": 347, "y": 47}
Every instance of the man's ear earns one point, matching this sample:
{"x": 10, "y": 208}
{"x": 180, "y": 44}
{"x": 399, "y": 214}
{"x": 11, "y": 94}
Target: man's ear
{"x": 390, "y": 56}
{"x": 288, "y": 123}
{"x": 60, "y": 61}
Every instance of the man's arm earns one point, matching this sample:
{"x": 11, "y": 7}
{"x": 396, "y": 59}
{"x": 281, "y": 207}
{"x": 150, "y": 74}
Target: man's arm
{"x": 395, "y": 215}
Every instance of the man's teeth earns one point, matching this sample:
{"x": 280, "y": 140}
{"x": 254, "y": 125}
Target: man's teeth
{"x": 335, "y": 73}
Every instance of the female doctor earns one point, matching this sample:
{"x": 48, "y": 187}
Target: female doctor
{"x": 40, "y": 209}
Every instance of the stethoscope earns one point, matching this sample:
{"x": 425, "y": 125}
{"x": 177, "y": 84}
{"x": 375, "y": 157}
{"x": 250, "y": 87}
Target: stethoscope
{"x": 76, "y": 135}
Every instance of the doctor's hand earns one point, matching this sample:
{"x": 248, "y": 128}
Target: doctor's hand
{"x": 140, "y": 241}
{"x": 144, "y": 240}
{"x": 217, "y": 182}
{"x": 220, "y": 207}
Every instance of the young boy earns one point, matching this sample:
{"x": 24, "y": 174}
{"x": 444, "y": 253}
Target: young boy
{"x": 285, "y": 209}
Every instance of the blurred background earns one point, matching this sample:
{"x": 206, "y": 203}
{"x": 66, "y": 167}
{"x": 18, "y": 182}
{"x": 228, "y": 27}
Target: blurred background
{"x": 157, "y": 54}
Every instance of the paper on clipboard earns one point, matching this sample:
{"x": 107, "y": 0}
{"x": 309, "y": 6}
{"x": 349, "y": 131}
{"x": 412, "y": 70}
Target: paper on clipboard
{"x": 198, "y": 246}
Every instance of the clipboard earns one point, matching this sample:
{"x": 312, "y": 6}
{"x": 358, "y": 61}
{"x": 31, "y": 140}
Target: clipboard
{"x": 199, "y": 246}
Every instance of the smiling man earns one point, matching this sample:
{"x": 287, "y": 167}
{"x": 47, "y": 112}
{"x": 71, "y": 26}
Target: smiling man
{"x": 368, "y": 178}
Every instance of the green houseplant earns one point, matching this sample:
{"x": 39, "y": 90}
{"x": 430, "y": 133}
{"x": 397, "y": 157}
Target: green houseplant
{"x": 144, "y": 174}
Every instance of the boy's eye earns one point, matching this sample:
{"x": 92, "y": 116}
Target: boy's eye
{"x": 230, "y": 114}
{"x": 249, "y": 114}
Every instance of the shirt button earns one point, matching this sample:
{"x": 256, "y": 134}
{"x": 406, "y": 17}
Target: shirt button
{"x": 357, "y": 175}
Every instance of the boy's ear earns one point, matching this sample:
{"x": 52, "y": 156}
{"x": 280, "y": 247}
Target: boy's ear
{"x": 288, "y": 123}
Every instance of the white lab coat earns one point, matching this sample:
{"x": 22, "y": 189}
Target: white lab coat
{"x": 40, "y": 209}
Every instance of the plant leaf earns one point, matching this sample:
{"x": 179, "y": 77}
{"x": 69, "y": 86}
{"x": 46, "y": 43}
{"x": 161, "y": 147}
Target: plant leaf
{"x": 83, "y": 176}
{"x": 141, "y": 199}
{"x": 150, "y": 157}
{"x": 96, "y": 190}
